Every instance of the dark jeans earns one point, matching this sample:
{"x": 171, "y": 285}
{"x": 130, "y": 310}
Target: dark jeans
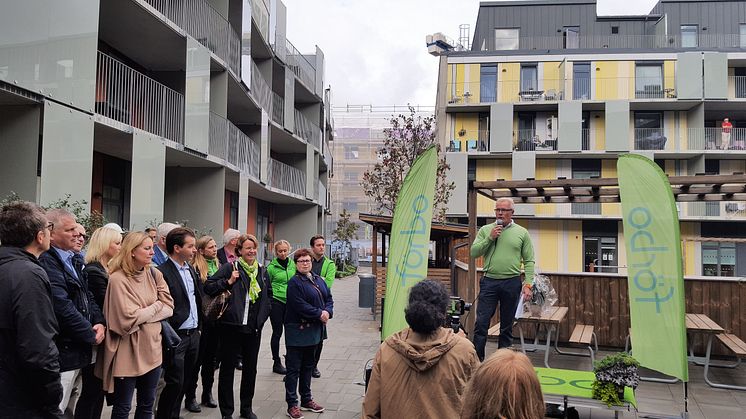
{"x": 276, "y": 317}
{"x": 124, "y": 387}
{"x": 491, "y": 291}
{"x": 299, "y": 362}
{"x": 208, "y": 351}
{"x": 234, "y": 341}
{"x": 183, "y": 361}
{"x": 91, "y": 400}
{"x": 317, "y": 353}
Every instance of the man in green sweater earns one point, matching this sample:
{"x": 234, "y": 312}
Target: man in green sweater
{"x": 504, "y": 245}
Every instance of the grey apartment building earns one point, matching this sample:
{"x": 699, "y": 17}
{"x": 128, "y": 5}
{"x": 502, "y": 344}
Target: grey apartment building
{"x": 152, "y": 110}
{"x": 551, "y": 89}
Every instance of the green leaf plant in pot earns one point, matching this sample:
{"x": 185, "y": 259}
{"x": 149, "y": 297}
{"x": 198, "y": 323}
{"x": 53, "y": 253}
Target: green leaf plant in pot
{"x": 613, "y": 374}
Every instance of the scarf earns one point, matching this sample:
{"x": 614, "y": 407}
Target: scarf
{"x": 212, "y": 266}
{"x": 251, "y": 271}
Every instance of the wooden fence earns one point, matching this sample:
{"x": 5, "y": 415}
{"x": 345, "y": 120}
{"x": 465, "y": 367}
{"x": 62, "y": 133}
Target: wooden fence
{"x": 442, "y": 275}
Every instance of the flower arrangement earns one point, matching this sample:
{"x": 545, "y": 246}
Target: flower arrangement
{"x": 613, "y": 374}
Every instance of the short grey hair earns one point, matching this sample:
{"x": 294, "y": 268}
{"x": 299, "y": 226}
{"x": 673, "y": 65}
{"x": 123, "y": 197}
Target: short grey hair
{"x": 165, "y": 228}
{"x": 230, "y": 234}
{"x": 506, "y": 199}
{"x": 55, "y": 216}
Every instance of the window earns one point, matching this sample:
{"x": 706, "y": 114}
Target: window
{"x": 351, "y": 152}
{"x": 649, "y": 131}
{"x": 233, "y": 209}
{"x": 506, "y": 39}
{"x": 600, "y": 246}
{"x": 742, "y": 33}
{"x": 614, "y": 30}
{"x": 351, "y": 175}
{"x": 718, "y": 259}
{"x": 526, "y": 131}
{"x": 488, "y": 84}
{"x": 529, "y": 79}
{"x": 571, "y": 37}
{"x": 350, "y": 206}
{"x": 649, "y": 81}
{"x": 689, "y": 36}
{"x": 586, "y": 169}
{"x": 581, "y": 75}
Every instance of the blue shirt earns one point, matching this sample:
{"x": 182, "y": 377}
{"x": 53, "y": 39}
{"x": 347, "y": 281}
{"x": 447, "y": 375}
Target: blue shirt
{"x": 67, "y": 259}
{"x": 186, "y": 278}
{"x": 159, "y": 256}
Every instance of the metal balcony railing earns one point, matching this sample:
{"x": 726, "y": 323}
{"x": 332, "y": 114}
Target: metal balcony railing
{"x": 278, "y": 108}
{"x": 630, "y": 41}
{"x": 229, "y": 143}
{"x": 649, "y": 139}
{"x": 260, "y": 14}
{"x": 287, "y": 178}
{"x": 585, "y": 139}
{"x": 531, "y": 140}
{"x": 260, "y": 89}
{"x": 737, "y": 86}
{"x": 586, "y": 208}
{"x": 307, "y": 130}
{"x": 130, "y": 97}
{"x": 470, "y": 141}
{"x": 173, "y": 10}
{"x": 302, "y": 68}
{"x": 249, "y": 156}
{"x": 716, "y": 139}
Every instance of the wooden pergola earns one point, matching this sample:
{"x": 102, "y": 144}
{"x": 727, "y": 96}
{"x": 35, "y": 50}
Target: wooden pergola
{"x": 697, "y": 188}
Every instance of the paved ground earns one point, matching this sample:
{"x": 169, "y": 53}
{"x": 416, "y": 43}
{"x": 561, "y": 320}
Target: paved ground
{"x": 354, "y": 339}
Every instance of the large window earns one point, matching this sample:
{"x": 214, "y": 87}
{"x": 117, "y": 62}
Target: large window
{"x": 718, "y": 259}
{"x": 488, "y": 84}
{"x": 581, "y": 77}
{"x": 529, "y": 78}
{"x": 571, "y": 37}
{"x": 351, "y": 152}
{"x": 649, "y": 131}
{"x": 742, "y": 33}
{"x": 506, "y": 39}
{"x": 649, "y": 81}
{"x": 689, "y": 36}
{"x": 600, "y": 246}
{"x": 233, "y": 221}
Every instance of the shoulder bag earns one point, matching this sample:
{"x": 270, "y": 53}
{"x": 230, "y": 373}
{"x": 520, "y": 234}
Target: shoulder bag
{"x": 169, "y": 338}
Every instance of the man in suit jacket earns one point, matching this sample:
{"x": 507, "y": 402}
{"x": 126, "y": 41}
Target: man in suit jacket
{"x": 183, "y": 282}
{"x": 160, "y": 253}
{"x": 80, "y": 320}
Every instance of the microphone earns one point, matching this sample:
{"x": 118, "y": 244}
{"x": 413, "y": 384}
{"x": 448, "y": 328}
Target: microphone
{"x": 499, "y": 222}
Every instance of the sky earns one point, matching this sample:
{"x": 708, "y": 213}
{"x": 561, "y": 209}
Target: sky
{"x": 375, "y": 50}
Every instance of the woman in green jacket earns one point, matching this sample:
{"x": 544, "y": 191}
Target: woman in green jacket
{"x": 280, "y": 270}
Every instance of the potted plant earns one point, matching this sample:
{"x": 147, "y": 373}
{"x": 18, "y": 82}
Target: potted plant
{"x": 613, "y": 374}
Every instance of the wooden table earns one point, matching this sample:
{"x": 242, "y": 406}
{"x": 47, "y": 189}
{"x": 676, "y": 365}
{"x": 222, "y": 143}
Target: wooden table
{"x": 550, "y": 320}
{"x": 701, "y": 324}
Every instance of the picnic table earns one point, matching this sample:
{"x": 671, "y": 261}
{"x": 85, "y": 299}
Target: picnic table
{"x": 702, "y": 324}
{"x": 550, "y": 320}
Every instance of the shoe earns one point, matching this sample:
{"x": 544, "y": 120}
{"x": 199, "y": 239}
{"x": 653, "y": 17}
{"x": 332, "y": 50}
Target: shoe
{"x": 192, "y": 406}
{"x": 208, "y": 401}
{"x": 239, "y": 365}
{"x": 312, "y": 406}
{"x": 250, "y": 416}
{"x": 277, "y": 368}
{"x": 294, "y": 413}
{"x": 316, "y": 373}
{"x": 228, "y": 417}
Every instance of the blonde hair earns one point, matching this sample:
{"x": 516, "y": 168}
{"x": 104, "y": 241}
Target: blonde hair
{"x": 200, "y": 262}
{"x": 505, "y": 386}
{"x": 124, "y": 260}
{"x": 99, "y": 244}
{"x": 281, "y": 242}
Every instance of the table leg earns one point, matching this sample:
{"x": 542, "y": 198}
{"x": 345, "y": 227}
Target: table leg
{"x": 707, "y": 369}
{"x": 523, "y": 344}
{"x": 548, "y": 345}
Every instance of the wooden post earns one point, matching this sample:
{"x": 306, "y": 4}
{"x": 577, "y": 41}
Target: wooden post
{"x": 374, "y": 259}
{"x": 471, "y": 208}
{"x": 383, "y": 249}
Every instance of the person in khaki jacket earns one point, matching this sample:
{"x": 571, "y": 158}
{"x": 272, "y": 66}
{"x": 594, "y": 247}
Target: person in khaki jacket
{"x": 421, "y": 371}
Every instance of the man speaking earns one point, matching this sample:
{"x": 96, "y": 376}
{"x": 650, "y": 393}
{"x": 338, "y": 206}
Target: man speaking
{"x": 504, "y": 245}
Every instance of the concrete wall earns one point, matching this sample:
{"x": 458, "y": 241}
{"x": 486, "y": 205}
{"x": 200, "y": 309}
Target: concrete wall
{"x": 148, "y": 180}
{"x": 289, "y": 113}
{"x": 197, "y": 97}
{"x": 296, "y": 223}
{"x": 501, "y": 127}
{"x": 617, "y": 125}
{"x": 716, "y": 75}
{"x": 243, "y": 204}
{"x": 196, "y": 194}
{"x": 689, "y": 75}
{"x": 570, "y": 125}
{"x": 19, "y": 142}
{"x": 457, "y": 174}
{"x": 66, "y": 155}
{"x": 524, "y": 167}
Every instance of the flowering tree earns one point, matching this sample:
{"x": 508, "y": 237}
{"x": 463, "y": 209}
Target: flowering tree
{"x": 407, "y": 138}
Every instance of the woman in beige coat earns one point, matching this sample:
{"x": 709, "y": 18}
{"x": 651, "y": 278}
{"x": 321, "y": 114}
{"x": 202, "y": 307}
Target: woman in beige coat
{"x": 137, "y": 299}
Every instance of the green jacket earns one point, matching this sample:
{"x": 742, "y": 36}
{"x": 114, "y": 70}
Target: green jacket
{"x": 328, "y": 272}
{"x": 503, "y": 257}
{"x": 279, "y": 277}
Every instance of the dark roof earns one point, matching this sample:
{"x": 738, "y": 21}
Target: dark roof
{"x": 437, "y": 230}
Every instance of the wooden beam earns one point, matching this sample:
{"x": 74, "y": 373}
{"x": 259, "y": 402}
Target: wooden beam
{"x": 471, "y": 208}
{"x": 711, "y": 197}
{"x": 374, "y": 259}
{"x": 577, "y": 191}
{"x": 547, "y": 183}
{"x": 571, "y": 199}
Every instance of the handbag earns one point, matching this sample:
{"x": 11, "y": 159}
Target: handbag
{"x": 169, "y": 338}
{"x": 214, "y": 307}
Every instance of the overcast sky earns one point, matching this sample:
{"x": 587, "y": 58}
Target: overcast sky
{"x": 375, "y": 49}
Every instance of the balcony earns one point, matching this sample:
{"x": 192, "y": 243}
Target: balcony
{"x": 737, "y": 87}
{"x": 260, "y": 14}
{"x": 649, "y": 139}
{"x": 530, "y": 140}
{"x": 628, "y": 42}
{"x": 173, "y": 10}
{"x": 229, "y": 143}
{"x": 287, "y": 178}
{"x": 307, "y": 130}
{"x": 301, "y": 67}
{"x": 134, "y": 99}
{"x": 260, "y": 89}
{"x": 278, "y": 109}
{"x": 715, "y": 139}
{"x": 470, "y": 141}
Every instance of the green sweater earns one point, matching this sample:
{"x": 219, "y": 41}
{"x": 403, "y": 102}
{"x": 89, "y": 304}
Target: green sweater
{"x": 502, "y": 257}
{"x": 279, "y": 277}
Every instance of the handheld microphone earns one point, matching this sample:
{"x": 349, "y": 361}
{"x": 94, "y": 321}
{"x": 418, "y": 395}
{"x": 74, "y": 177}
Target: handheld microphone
{"x": 499, "y": 222}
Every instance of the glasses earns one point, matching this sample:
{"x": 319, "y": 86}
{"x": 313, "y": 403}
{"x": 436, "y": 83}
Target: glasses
{"x": 81, "y": 237}
{"x": 50, "y": 226}
{"x": 303, "y": 261}
{"x": 503, "y": 210}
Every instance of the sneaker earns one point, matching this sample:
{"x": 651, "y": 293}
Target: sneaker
{"x": 316, "y": 373}
{"x": 294, "y": 413}
{"x": 312, "y": 406}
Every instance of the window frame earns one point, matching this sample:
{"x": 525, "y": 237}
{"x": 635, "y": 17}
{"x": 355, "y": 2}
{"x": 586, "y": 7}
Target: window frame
{"x": 516, "y": 41}
{"x": 696, "y": 34}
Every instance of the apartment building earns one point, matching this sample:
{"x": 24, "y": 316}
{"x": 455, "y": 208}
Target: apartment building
{"x": 150, "y": 110}
{"x": 551, "y": 89}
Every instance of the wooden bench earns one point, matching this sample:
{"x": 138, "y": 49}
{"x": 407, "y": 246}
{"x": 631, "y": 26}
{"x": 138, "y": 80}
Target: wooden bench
{"x": 734, "y": 343}
{"x": 583, "y": 334}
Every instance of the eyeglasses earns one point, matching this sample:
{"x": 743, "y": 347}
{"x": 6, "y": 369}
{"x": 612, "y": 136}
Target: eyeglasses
{"x": 82, "y": 236}
{"x": 50, "y": 226}
{"x": 503, "y": 210}
{"x": 303, "y": 261}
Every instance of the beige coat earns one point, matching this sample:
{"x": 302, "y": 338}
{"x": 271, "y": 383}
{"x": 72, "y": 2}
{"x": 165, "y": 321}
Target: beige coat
{"x": 420, "y": 377}
{"x": 133, "y": 307}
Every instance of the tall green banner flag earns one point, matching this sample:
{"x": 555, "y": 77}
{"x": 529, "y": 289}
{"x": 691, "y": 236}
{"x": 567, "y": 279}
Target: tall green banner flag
{"x": 410, "y": 239}
{"x": 655, "y": 277}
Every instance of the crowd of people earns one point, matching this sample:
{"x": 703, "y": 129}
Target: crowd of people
{"x": 121, "y": 312}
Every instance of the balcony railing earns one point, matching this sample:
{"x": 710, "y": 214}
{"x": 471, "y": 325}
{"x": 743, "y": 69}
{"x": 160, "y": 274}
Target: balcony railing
{"x": 470, "y": 141}
{"x": 132, "y": 98}
{"x": 278, "y": 108}
{"x": 229, "y": 143}
{"x": 173, "y": 10}
{"x": 586, "y": 208}
{"x": 302, "y": 68}
{"x": 260, "y": 89}
{"x": 737, "y": 84}
{"x": 307, "y": 130}
{"x": 585, "y": 139}
{"x": 649, "y": 139}
{"x": 531, "y": 140}
{"x": 287, "y": 178}
{"x": 260, "y": 14}
{"x": 716, "y": 139}
{"x": 629, "y": 42}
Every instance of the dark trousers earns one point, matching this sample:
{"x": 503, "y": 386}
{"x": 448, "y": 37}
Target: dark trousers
{"x": 91, "y": 400}
{"x": 208, "y": 350}
{"x": 491, "y": 291}
{"x": 317, "y": 353}
{"x": 277, "y": 318}
{"x": 299, "y": 362}
{"x": 181, "y": 364}
{"x": 125, "y": 387}
{"x": 234, "y": 341}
